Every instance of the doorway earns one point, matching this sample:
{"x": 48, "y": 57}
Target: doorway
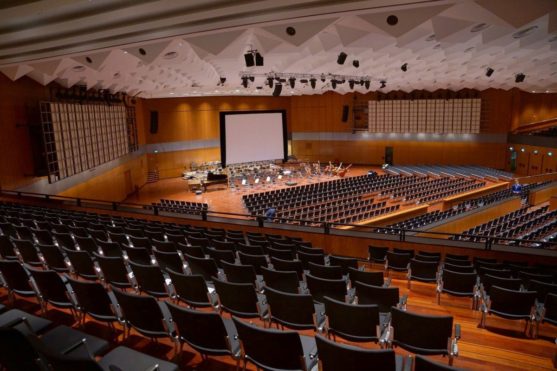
{"x": 389, "y": 155}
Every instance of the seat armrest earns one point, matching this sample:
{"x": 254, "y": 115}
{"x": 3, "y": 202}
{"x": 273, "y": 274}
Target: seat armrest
{"x": 457, "y": 331}
{"x": 17, "y": 321}
{"x": 155, "y": 367}
{"x": 386, "y": 339}
{"x": 80, "y": 343}
{"x": 408, "y": 363}
{"x": 402, "y": 302}
{"x": 387, "y": 282}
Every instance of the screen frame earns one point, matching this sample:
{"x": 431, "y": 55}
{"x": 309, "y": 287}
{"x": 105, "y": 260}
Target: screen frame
{"x": 222, "y": 119}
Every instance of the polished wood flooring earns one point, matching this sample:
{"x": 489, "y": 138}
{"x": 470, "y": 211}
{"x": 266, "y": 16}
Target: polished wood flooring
{"x": 500, "y": 346}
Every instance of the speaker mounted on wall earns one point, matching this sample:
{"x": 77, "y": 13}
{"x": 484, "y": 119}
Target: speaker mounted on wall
{"x": 154, "y": 128}
{"x": 345, "y": 112}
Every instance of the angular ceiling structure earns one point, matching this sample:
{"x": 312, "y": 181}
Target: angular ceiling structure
{"x": 166, "y": 48}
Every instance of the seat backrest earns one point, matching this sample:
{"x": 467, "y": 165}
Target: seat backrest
{"x": 289, "y": 265}
{"x": 195, "y": 251}
{"x": 203, "y": 266}
{"x": 425, "y": 270}
{"x": 377, "y": 254}
{"x": 343, "y": 262}
{"x": 270, "y": 348}
{"x": 170, "y": 260}
{"x": 91, "y": 297}
{"x": 250, "y": 249}
{"x": 286, "y": 281}
{"x": 279, "y": 253}
{"x": 149, "y": 278}
{"x": 331, "y": 272}
{"x": 397, "y": 260}
{"x": 527, "y": 276}
{"x": 509, "y": 283}
{"x": 204, "y": 331}
{"x": 53, "y": 257}
{"x": 291, "y": 310}
{"x": 239, "y": 273}
{"x": 14, "y": 275}
{"x": 114, "y": 270}
{"x": 86, "y": 244}
{"x": 455, "y": 257}
{"x": 237, "y": 298}
{"x": 356, "y": 322}
{"x": 512, "y": 302}
{"x": 321, "y": 287}
{"x": 542, "y": 288}
{"x": 465, "y": 268}
{"x": 425, "y": 364}
{"x": 384, "y": 297}
{"x": 220, "y": 255}
{"x": 313, "y": 258}
{"x": 164, "y": 246}
{"x": 550, "y": 305}
{"x": 457, "y": 282}
{"x": 336, "y": 356}
{"x": 503, "y": 273}
{"x": 27, "y": 250}
{"x": 422, "y": 334}
{"x": 257, "y": 261}
{"x": 50, "y": 285}
{"x": 82, "y": 263}
{"x": 191, "y": 289}
{"x": 138, "y": 255}
{"x": 141, "y": 312}
{"x": 6, "y": 248}
{"x": 370, "y": 278}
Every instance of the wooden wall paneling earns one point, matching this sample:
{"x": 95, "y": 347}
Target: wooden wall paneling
{"x": 544, "y": 194}
{"x": 535, "y": 164}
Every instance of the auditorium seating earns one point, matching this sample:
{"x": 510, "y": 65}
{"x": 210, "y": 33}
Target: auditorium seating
{"x": 195, "y": 292}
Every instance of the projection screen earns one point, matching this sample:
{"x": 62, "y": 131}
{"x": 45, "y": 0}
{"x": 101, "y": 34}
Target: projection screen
{"x": 248, "y": 136}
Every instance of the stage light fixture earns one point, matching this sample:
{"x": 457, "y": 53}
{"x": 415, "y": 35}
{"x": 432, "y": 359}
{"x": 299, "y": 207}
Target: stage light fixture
{"x": 404, "y": 67}
{"x": 383, "y": 84}
{"x": 351, "y": 84}
{"x": 356, "y": 63}
{"x": 519, "y": 77}
{"x": 489, "y": 71}
{"x": 277, "y": 90}
{"x": 312, "y": 82}
{"x": 250, "y": 61}
{"x": 334, "y": 84}
{"x": 292, "y": 82}
{"x": 245, "y": 81}
{"x": 258, "y": 59}
{"x": 222, "y": 80}
{"x": 322, "y": 78}
{"x": 270, "y": 82}
{"x": 252, "y": 78}
{"x": 367, "y": 83}
{"x": 341, "y": 58}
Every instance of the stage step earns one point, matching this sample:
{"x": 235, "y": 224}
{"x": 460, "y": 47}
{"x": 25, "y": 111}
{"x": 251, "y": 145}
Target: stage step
{"x": 153, "y": 176}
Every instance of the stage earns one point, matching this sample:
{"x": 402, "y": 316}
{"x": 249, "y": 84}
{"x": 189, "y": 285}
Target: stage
{"x": 221, "y": 198}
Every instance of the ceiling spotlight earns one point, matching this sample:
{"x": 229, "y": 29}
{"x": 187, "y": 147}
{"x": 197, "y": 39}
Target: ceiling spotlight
{"x": 392, "y": 20}
{"x": 356, "y": 63}
{"x": 142, "y": 51}
{"x": 290, "y": 31}
{"x": 277, "y": 90}
{"x": 292, "y": 82}
{"x": 341, "y": 58}
{"x": 383, "y": 84}
{"x": 312, "y": 82}
{"x": 519, "y": 77}
{"x": 334, "y": 84}
{"x": 489, "y": 71}
{"x": 351, "y": 84}
{"x": 245, "y": 81}
{"x": 404, "y": 67}
{"x": 270, "y": 82}
{"x": 366, "y": 83}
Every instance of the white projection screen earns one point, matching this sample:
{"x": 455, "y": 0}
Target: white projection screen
{"x": 248, "y": 136}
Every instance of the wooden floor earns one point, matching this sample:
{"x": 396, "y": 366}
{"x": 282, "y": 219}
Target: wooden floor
{"x": 501, "y": 346}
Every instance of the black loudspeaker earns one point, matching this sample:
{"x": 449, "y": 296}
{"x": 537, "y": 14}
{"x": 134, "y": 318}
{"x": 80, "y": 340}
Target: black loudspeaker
{"x": 154, "y": 122}
{"x": 345, "y": 110}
